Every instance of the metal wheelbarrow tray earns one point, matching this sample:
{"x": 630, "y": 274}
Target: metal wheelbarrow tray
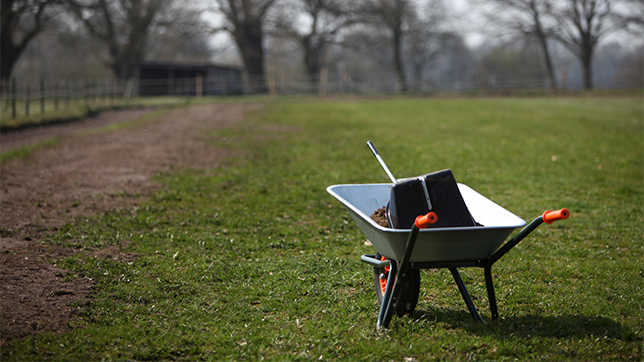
{"x": 443, "y": 244}
{"x": 453, "y": 247}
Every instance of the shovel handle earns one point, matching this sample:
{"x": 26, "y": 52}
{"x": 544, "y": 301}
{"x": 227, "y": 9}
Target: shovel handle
{"x": 424, "y": 221}
{"x": 382, "y": 162}
{"x": 551, "y": 216}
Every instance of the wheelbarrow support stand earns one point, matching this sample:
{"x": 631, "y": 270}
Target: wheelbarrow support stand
{"x": 390, "y": 296}
{"x": 548, "y": 217}
{"x": 398, "y": 274}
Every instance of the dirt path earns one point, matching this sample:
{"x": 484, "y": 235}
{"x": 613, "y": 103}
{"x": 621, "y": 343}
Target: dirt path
{"x": 84, "y": 174}
{"x": 13, "y": 139}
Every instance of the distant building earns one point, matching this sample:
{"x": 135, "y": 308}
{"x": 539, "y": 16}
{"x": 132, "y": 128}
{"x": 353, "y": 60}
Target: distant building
{"x": 188, "y": 79}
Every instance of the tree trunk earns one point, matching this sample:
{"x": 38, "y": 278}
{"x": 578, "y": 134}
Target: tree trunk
{"x": 123, "y": 66}
{"x": 543, "y": 42}
{"x": 586, "y": 58}
{"x": 8, "y": 60}
{"x": 586, "y": 63}
{"x": 398, "y": 63}
{"x": 249, "y": 41}
{"x": 585, "y": 23}
{"x": 312, "y": 59}
{"x": 546, "y": 55}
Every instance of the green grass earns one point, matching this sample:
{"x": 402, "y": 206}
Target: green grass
{"x": 24, "y": 151}
{"x": 76, "y": 109}
{"x": 255, "y": 260}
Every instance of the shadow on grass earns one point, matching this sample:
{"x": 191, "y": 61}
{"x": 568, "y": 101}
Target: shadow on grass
{"x": 530, "y": 326}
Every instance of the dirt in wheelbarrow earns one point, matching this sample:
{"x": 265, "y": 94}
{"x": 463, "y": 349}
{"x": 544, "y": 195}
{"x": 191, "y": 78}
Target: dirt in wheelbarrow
{"x": 84, "y": 174}
{"x": 380, "y": 217}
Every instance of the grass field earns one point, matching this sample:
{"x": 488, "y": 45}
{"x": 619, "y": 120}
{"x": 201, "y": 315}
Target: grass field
{"x": 256, "y": 261}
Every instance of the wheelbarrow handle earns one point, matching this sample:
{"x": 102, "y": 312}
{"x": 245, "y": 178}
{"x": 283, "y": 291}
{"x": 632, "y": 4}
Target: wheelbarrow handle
{"x": 548, "y": 217}
{"x": 551, "y": 216}
{"x": 424, "y": 221}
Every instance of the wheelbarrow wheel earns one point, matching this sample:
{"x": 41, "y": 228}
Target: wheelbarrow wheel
{"x": 408, "y": 295}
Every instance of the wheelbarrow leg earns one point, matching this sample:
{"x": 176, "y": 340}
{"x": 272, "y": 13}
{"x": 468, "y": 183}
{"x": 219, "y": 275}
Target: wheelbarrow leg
{"x": 388, "y": 301}
{"x": 547, "y": 217}
{"x": 466, "y": 295}
{"x": 489, "y": 285}
{"x": 386, "y": 307}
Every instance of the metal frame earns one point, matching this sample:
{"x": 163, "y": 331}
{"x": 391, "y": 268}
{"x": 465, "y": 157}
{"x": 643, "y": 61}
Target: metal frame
{"x": 398, "y": 274}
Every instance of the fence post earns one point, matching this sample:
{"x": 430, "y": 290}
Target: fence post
{"x": 115, "y": 89}
{"x": 42, "y": 96}
{"x": 272, "y": 84}
{"x": 92, "y": 90}
{"x": 128, "y": 89}
{"x": 67, "y": 94}
{"x": 224, "y": 86}
{"x": 92, "y": 93}
{"x": 482, "y": 78}
{"x": 85, "y": 88}
{"x": 106, "y": 91}
{"x": 27, "y": 95}
{"x": 324, "y": 77}
{"x": 564, "y": 76}
{"x": 13, "y": 97}
{"x": 56, "y": 94}
{"x": 88, "y": 91}
{"x": 345, "y": 81}
{"x": 199, "y": 86}
{"x": 5, "y": 94}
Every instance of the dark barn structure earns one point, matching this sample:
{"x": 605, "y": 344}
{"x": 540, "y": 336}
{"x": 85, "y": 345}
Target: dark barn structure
{"x": 159, "y": 78}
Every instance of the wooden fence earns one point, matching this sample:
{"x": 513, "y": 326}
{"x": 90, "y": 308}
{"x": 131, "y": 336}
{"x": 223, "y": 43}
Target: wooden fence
{"x": 27, "y": 98}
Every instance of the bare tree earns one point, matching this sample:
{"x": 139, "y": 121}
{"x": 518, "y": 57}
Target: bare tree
{"x": 368, "y": 44}
{"x": 453, "y": 65}
{"x": 428, "y": 36}
{"x": 324, "y": 20}
{"x": 403, "y": 36}
{"x": 510, "y": 65}
{"x": 633, "y": 15}
{"x": 528, "y": 18}
{"x": 21, "y": 22}
{"x": 581, "y": 25}
{"x": 394, "y": 15}
{"x": 62, "y": 52}
{"x": 122, "y": 27}
{"x": 245, "y": 22}
{"x": 180, "y": 34}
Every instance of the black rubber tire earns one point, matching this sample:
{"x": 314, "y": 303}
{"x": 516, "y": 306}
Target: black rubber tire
{"x": 408, "y": 295}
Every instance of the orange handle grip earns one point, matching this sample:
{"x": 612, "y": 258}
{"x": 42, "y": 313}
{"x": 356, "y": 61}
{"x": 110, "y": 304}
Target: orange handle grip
{"x": 424, "y": 221}
{"x": 551, "y": 216}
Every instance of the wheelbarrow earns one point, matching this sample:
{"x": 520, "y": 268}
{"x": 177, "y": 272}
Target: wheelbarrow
{"x": 402, "y": 253}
